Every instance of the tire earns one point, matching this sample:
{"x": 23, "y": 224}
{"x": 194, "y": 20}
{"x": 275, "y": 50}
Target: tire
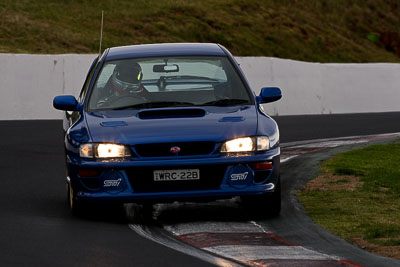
{"x": 141, "y": 213}
{"x": 275, "y": 200}
{"x": 77, "y": 207}
{"x": 271, "y": 201}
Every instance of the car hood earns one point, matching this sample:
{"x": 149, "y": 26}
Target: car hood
{"x": 172, "y": 124}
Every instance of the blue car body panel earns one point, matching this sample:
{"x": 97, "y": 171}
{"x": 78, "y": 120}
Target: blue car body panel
{"x": 116, "y": 180}
{"x": 218, "y": 124}
{"x": 177, "y": 49}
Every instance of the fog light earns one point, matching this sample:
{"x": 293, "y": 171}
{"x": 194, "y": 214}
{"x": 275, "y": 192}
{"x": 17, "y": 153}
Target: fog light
{"x": 88, "y": 173}
{"x": 261, "y": 165}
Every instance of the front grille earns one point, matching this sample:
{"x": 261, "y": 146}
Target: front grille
{"x": 164, "y": 149}
{"x": 142, "y": 181}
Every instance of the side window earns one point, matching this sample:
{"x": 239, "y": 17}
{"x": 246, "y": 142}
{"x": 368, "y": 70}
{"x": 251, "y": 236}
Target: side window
{"x": 87, "y": 81}
{"x": 105, "y": 74}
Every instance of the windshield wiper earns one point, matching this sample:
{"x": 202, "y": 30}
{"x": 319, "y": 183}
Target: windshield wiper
{"x": 159, "y": 104}
{"x": 226, "y": 102}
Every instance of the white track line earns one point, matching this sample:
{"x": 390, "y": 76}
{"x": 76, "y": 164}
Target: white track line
{"x": 253, "y": 253}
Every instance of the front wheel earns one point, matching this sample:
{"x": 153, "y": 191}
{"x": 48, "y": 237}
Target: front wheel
{"x": 270, "y": 203}
{"x": 76, "y": 206}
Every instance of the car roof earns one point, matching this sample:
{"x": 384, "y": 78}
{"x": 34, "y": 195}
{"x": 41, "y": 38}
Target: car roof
{"x": 167, "y": 49}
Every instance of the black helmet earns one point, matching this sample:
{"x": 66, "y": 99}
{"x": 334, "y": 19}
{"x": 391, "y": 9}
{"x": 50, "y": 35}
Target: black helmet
{"x": 127, "y": 76}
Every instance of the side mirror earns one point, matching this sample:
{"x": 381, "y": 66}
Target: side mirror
{"x": 269, "y": 94}
{"x": 65, "y": 102}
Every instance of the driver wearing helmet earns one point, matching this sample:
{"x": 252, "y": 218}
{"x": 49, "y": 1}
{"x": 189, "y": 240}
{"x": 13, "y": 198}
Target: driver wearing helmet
{"x": 125, "y": 81}
{"x": 126, "y": 78}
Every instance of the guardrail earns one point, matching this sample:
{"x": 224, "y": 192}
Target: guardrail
{"x": 28, "y": 84}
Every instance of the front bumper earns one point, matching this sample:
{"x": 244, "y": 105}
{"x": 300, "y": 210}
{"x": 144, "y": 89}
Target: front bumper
{"x": 132, "y": 181}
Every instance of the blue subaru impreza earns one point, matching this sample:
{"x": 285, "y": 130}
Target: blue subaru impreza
{"x": 170, "y": 122}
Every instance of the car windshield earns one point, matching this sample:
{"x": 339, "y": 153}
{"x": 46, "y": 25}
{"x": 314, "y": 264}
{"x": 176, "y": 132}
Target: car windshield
{"x": 168, "y": 82}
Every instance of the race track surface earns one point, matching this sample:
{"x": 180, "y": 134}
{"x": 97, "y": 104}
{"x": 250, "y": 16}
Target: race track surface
{"x": 308, "y": 127}
{"x": 37, "y": 229}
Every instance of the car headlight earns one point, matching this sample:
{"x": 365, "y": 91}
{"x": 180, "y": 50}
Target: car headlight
{"x": 246, "y": 144}
{"x": 103, "y": 151}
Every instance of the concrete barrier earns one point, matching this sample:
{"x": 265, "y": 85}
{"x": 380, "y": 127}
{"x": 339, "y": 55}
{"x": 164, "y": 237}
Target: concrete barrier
{"x": 314, "y": 88}
{"x": 28, "y": 84}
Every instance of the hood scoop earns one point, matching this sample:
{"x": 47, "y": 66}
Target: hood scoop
{"x": 171, "y": 113}
{"x": 232, "y": 119}
{"x": 113, "y": 123}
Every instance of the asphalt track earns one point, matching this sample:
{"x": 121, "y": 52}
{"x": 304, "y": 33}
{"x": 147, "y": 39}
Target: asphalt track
{"x": 36, "y": 228}
{"x": 308, "y": 127}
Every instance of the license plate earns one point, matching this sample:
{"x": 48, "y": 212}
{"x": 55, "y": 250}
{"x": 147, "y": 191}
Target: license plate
{"x": 176, "y": 175}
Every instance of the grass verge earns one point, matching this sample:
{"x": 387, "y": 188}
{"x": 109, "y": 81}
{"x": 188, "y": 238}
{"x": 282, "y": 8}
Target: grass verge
{"x": 308, "y": 30}
{"x": 357, "y": 197}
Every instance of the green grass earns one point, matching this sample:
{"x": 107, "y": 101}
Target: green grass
{"x": 372, "y": 211}
{"x": 309, "y": 30}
